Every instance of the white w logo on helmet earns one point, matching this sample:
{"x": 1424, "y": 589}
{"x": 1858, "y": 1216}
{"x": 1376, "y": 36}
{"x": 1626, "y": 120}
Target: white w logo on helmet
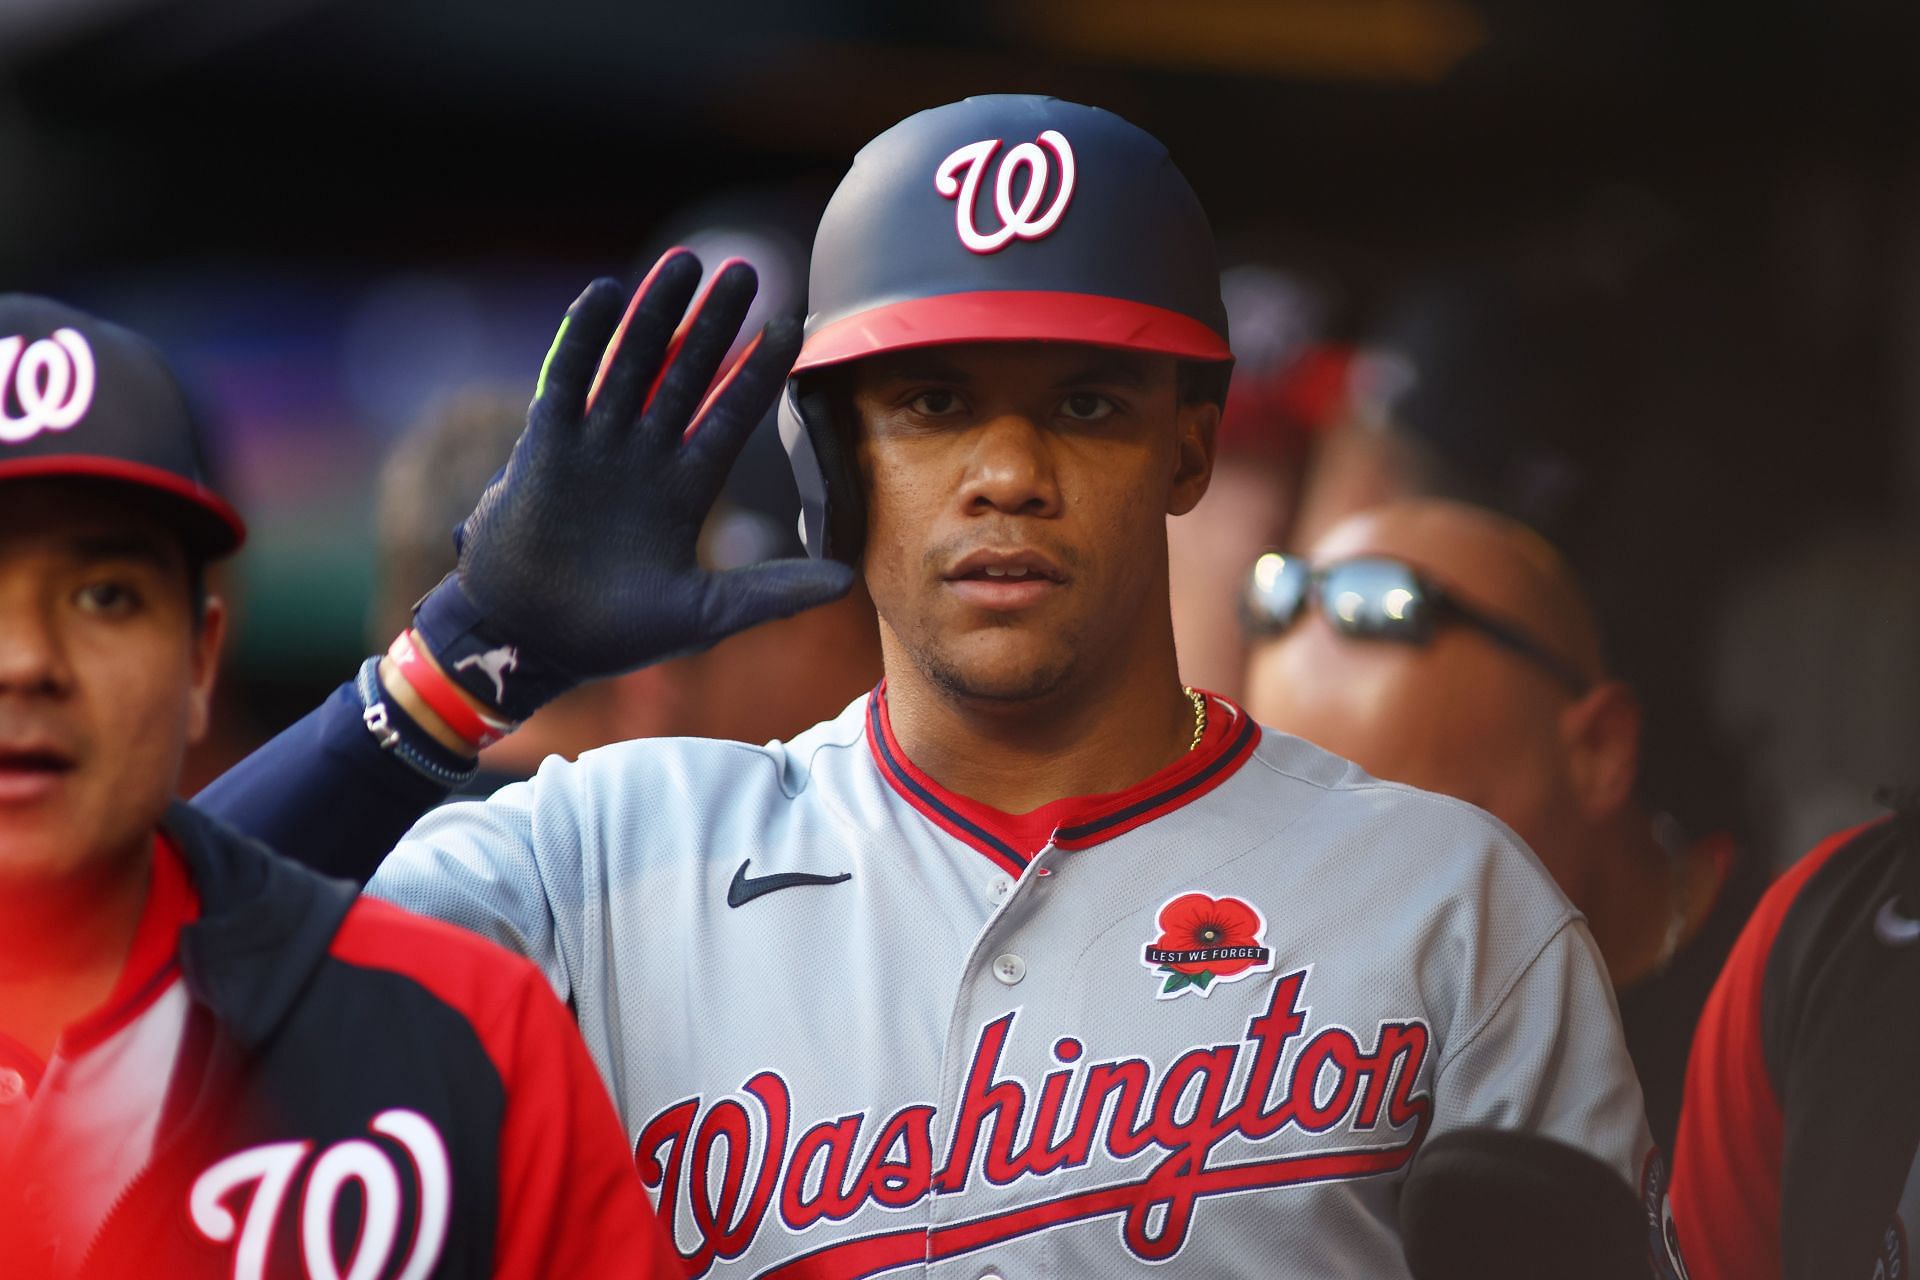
{"x": 1016, "y": 221}
{"x": 51, "y": 380}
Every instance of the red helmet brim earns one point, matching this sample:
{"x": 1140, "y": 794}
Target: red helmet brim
{"x": 1012, "y": 316}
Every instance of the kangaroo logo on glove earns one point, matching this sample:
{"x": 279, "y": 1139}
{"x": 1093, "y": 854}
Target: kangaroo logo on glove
{"x": 959, "y": 175}
{"x": 494, "y": 663}
{"x": 50, "y": 380}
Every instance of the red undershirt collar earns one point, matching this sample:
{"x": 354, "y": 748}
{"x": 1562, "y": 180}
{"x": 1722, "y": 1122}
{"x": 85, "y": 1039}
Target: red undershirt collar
{"x": 1076, "y": 822}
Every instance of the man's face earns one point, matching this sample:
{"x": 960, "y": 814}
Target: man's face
{"x": 1017, "y": 495}
{"x": 1459, "y": 714}
{"x": 105, "y": 677}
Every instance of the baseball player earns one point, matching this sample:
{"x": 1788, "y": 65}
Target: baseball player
{"x": 1032, "y": 961}
{"x": 1798, "y": 1155}
{"x": 214, "y": 1063}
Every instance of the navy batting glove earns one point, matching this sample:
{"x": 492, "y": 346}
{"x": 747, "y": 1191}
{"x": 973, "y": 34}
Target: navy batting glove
{"x": 579, "y": 560}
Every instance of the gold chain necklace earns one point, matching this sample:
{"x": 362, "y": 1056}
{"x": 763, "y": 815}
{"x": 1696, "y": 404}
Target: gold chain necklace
{"x": 1199, "y": 701}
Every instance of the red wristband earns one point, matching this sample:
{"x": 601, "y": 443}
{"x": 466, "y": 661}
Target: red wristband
{"x": 443, "y": 695}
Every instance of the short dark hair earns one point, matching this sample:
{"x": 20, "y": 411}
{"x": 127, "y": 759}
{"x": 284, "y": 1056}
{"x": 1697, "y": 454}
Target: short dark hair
{"x": 197, "y": 596}
{"x": 1202, "y": 382}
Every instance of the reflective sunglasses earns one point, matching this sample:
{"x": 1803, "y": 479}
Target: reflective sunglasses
{"x": 1376, "y": 598}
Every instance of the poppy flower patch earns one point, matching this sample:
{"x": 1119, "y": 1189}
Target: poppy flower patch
{"x": 1205, "y": 941}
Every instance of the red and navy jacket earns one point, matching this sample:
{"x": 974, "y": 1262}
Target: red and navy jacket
{"x": 363, "y": 1092}
{"x": 1800, "y": 1128}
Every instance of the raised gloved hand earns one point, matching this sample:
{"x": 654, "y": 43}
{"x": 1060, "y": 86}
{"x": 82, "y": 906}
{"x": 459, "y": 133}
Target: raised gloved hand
{"x": 579, "y": 560}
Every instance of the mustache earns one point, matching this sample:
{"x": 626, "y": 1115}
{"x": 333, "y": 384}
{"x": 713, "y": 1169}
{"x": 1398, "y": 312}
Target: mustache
{"x": 1000, "y": 537}
{"x": 20, "y": 725}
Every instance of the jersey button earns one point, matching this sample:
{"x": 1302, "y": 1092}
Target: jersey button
{"x": 13, "y": 1086}
{"x": 1001, "y": 889}
{"x": 1009, "y": 969}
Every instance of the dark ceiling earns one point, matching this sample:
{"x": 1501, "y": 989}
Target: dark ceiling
{"x": 141, "y": 130}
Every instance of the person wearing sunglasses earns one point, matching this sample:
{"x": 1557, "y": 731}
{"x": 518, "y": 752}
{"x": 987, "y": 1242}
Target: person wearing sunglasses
{"x": 1447, "y": 647}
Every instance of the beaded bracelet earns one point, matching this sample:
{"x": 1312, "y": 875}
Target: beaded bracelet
{"x": 394, "y": 731}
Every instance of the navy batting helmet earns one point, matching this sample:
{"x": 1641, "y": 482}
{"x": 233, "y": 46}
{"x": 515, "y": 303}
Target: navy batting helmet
{"x": 1006, "y": 218}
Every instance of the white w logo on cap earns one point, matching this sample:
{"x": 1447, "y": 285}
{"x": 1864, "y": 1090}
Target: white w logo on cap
{"x": 1016, "y": 221}
{"x": 51, "y": 381}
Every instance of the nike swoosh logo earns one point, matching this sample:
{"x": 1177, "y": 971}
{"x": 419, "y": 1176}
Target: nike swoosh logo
{"x": 1893, "y": 928}
{"x": 742, "y": 890}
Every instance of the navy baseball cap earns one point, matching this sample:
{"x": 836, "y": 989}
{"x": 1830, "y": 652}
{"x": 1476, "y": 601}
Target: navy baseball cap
{"x": 81, "y": 397}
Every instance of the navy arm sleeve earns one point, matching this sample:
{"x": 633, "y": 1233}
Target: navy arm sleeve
{"x": 324, "y": 793}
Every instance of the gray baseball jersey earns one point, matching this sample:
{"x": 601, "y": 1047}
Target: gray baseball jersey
{"x": 858, "y": 1025}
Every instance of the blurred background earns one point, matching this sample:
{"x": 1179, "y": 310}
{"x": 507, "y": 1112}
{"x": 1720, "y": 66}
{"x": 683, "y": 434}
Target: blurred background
{"x": 1645, "y": 275}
